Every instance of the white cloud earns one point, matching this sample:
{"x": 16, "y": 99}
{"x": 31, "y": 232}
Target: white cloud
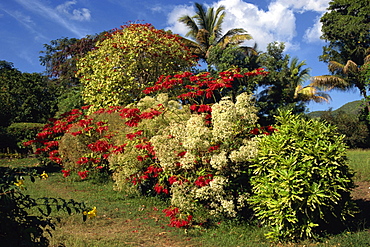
{"x": 173, "y": 16}
{"x": 277, "y": 23}
{"x": 156, "y": 9}
{"x": 82, "y": 14}
{"x": 27, "y": 22}
{"x": 313, "y": 33}
{"x": 43, "y": 10}
{"x": 306, "y": 5}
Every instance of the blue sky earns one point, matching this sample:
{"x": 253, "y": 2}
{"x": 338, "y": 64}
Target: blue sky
{"x": 25, "y": 25}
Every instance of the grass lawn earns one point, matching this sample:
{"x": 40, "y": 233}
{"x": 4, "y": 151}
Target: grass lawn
{"x": 139, "y": 221}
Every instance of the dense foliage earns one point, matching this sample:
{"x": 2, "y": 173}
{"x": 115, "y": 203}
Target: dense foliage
{"x": 158, "y": 146}
{"x": 25, "y": 97}
{"x": 283, "y": 87}
{"x": 17, "y": 133}
{"x": 190, "y": 138}
{"x": 346, "y": 28}
{"x": 351, "y": 126}
{"x": 20, "y": 227}
{"x": 302, "y": 182}
{"x": 127, "y": 61}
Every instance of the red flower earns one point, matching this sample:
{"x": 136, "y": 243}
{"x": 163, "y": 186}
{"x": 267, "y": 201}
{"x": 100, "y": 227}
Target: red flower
{"x": 213, "y": 148}
{"x": 159, "y": 189}
{"x": 77, "y": 133}
{"x": 100, "y": 129}
{"x": 181, "y": 154}
{"x": 204, "y": 108}
{"x": 82, "y": 160}
{"x": 66, "y": 173}
{"x": 203, "y": 180}
{"x": 140, "y": 158}
{"x": 255, "y": 131}
{"x": 28, "y": 143}
{"x": 99, "y": 146}
{"x": 83, "y": 174}
{"x": 172, "y": 180}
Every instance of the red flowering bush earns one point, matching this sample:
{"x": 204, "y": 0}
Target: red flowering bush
{"x": 191, "y": 150}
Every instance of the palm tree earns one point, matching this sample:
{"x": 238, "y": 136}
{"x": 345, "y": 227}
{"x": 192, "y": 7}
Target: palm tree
{"x": 284, "y": 85}
{"x": 346, "y": 76}
{"x": 205, "y": 30}
{"x": 302, "y": 93}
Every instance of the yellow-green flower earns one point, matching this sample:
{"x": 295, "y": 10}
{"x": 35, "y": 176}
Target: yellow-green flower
{"x": 91, "y": 214}
{"x": 44, "y": 175}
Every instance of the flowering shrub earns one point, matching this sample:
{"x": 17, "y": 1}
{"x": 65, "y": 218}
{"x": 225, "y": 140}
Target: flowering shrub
{"x": 190, "y": 150}
{"x": 128, "y": 60}
{"x": 207, "y": 165}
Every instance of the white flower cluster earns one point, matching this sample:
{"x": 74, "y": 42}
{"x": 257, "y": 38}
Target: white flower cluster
{"x": 182, "y": 147}
{"x": 246, "y": 110}
{"x": 224, "y": 119}
{"x": 245, "y": 152}
{"x": 219, "y": 161}
{"x": 197, "y": 134}
{"x": 183, "y": 197}
{"x": 229, "y": 118}
{"x": 166, "y": 147}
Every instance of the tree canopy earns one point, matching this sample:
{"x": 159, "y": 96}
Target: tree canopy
{"x": 283, "y": 87}
{"x": 129, "y": 60}
{"x": 205, "y": 29}
{"x": 346, "y": 28}
{"x": 24, "y": 97}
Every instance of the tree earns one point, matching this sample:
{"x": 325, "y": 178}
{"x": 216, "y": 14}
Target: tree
{"x": 345, "y": 77}
{"x": 284, "y": 86}
{"x": 60, "y": 57}
{"x": 24, "y": 97}
{"x": 205, "y": 29}
{"x": 62, "y": 54}
{"x": 346, "y": 28}
{"x": 233, "y": 56}
{"x": 129, "y": 60}
{"x": 355, "y": 131}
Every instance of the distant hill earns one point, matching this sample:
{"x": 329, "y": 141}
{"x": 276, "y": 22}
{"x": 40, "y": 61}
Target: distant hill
{"x": 351, "y": 108}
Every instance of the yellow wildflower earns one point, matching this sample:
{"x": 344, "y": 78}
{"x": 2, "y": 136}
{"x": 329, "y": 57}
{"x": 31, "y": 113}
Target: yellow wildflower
{"x": 19, "y": 183}
{"x": 91, "y": 214}
{"x": 44, "y": 175}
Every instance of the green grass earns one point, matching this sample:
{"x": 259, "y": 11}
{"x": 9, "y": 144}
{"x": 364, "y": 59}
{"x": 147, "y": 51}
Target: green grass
{"x": 138, "y": 221}
{"x": 359, "y": 160}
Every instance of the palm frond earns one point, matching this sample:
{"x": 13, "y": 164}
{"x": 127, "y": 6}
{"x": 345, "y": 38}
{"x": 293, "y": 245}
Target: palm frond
{"x": 311, "y": 93}
{"x": 329, "y": 82}
{"x": 335, "y": 66}
{"x": 217, "y": 22}
{"x": 234, "y": 36}
{"x": 191, "y": 24}
{"x": 201, "y": 16}
{"x": 350, "y": 67}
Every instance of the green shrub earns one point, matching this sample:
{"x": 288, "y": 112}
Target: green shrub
{"x": 18, "y": 226}
{"x": 301, "y": 181}
{"x": 18, "y": 133}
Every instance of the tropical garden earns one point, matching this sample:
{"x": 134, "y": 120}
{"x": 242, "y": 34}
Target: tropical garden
{"x": 139, "y": 136}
